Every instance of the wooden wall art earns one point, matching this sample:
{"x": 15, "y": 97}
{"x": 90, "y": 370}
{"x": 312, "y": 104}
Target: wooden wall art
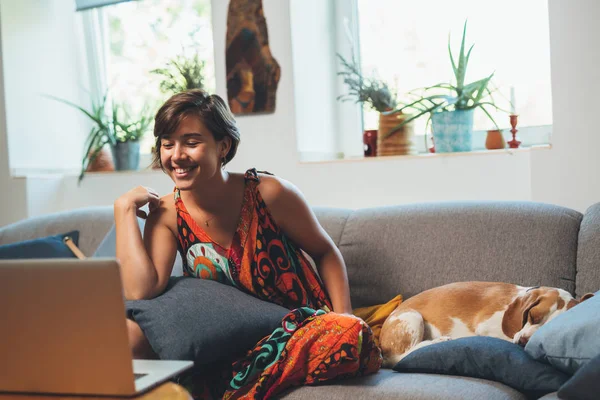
{"x": 252, "y": 71}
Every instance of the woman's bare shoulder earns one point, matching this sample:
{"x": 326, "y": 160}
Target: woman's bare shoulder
{"x": 273, "y": 189}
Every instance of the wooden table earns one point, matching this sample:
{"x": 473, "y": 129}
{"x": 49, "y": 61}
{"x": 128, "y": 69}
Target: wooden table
{"x": 166, "y": 391}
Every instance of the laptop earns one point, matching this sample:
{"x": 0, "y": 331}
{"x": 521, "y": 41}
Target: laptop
{"x": 63, "y": 331}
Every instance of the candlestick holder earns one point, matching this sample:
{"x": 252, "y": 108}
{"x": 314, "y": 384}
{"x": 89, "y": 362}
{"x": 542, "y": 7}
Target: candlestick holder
{"x": 514, "y": 143}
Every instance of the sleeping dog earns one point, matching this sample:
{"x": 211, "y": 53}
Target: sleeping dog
{"x": 456, "y": 310}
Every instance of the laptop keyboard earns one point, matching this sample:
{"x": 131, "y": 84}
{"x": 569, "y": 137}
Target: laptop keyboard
{"x": 138, "y": 376}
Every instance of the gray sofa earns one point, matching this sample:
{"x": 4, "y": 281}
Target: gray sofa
{"x": 410, "y": 248}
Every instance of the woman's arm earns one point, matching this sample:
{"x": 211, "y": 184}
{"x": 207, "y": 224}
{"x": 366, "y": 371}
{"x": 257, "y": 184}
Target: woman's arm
{"x": 146, "y": 263}
{"x": 293, "y": 215}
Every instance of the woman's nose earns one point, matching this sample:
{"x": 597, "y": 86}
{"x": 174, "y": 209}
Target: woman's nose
{"x": 177, "y": 152}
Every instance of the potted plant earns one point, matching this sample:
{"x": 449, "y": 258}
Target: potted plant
{"x": 451, "y": 114}
{"x": 377, "y": 94}
{"x": 116, "y": 129}
{"x": 182, "y": 73}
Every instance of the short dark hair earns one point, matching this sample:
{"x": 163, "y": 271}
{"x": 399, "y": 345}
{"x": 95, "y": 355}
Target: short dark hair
{"x": 212, "y": 111}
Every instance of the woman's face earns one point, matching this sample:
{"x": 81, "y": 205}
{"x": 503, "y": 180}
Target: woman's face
{"x": 191, "y": 154}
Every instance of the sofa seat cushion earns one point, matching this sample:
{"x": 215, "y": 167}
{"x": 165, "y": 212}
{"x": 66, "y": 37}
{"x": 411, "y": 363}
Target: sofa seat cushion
{"x": 387, "y": 384}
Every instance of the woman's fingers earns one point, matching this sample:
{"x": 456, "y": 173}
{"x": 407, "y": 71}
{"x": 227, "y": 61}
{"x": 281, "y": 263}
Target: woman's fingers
{"x": 153, "y": 199}
{"x": 152, "y": 191}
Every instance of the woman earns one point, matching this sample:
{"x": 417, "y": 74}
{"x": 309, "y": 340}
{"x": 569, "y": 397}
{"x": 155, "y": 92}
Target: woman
{"x": 235, "y": 217}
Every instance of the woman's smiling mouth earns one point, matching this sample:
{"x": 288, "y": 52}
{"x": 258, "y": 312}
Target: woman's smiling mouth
{"x": 182, "y": 172}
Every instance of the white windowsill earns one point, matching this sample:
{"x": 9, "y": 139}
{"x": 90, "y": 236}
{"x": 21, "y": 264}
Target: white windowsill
{"x": 312, "y": 158}
{"x": 529, "y": 136}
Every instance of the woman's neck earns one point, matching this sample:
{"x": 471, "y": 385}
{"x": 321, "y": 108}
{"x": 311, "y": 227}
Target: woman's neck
{"x": 213, "y": 193}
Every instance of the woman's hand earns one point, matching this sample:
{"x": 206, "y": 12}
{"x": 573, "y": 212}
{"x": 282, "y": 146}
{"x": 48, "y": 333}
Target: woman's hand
{"x": 137, "y": 198}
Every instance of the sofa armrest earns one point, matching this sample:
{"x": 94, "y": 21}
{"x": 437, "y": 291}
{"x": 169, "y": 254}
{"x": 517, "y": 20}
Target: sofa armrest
{"x": 588, "y": 252}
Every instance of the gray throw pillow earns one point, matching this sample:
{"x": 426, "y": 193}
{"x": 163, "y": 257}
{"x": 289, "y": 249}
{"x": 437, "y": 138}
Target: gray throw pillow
{"x": 570, "y": 340}
{"x": 108, "y": 248}
{"x": 204, "y": 321}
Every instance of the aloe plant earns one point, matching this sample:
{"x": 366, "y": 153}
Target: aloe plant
{"x": 461, "y": 97}
{"x": 109, "y": 128}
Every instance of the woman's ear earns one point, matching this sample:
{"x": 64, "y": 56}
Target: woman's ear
{"x": 225, "y": 146}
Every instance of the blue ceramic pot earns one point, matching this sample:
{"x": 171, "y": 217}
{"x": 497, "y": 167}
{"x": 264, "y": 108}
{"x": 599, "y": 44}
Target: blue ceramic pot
{"x": 126, "y": 156}
{"x": 453, "y": 131}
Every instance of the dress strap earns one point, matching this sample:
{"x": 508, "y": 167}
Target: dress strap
{"x": 252, "y": 174}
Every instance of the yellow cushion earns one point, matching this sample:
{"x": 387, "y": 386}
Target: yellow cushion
{"x": 375, "y": 316}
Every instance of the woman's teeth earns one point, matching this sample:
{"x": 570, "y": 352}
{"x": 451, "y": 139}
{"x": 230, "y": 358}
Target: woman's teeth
{"x": 183, "y": 170}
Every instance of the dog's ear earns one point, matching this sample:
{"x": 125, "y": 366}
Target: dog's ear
{"x": 515, "y": 316}
{"x": 586, "y": 296}
{"x": 572, "y": 303}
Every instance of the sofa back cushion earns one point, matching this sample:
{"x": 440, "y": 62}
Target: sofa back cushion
{"x": 410, "y": 248}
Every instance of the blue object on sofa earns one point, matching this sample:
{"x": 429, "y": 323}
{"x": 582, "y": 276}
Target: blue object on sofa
{"x": 585, "y": 384}
{"x": 47, "y": 247}
{"x": 485, "y": 358}
{"x": 570, "y": 340}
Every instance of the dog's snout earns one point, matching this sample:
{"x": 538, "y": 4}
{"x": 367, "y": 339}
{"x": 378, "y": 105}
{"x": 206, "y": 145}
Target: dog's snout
{"x": 523, "y": 341}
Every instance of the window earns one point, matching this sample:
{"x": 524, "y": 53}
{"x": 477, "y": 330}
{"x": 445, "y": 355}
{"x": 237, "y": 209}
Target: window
{"x": 144, "y": 35}
{"x": 406, "y": 44}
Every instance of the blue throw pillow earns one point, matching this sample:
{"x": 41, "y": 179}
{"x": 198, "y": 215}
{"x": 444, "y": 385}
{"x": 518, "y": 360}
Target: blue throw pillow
{"x": 571, "y": 339}
{"x": 48, "y": 247}
{"x": 485, "y": 358}
{"x": 585, "y": 384}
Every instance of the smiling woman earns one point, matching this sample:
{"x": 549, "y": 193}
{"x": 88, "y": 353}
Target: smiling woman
{"x": 251, "y": 231}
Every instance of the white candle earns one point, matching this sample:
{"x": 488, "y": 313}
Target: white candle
{"x": 513, "y": 104}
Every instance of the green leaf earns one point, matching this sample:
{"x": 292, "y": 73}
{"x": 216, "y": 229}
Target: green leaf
{"x": 410, "y": 119}
{"x": 451, "y": 57}
{"x": 462, "y": 61}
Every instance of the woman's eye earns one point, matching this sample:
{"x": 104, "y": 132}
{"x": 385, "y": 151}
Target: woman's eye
{"x": 167, "y": 145}
{"x": 193, "y": 143}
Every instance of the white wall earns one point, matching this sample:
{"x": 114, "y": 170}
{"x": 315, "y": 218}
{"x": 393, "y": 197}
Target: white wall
{"x": 569, "y": 175}
{"x": 563, "y": 175}
{"x": 13, "y": 202}
{"x": 42, "y": 54}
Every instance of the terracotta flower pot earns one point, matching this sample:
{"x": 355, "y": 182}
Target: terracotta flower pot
{"x": 495, "y": 140}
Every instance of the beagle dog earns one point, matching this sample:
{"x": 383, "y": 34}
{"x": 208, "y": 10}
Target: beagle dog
{"x": 462, "y": 309}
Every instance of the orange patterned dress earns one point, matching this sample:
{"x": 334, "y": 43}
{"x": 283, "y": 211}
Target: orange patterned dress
{"x": 312, "y": 344}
